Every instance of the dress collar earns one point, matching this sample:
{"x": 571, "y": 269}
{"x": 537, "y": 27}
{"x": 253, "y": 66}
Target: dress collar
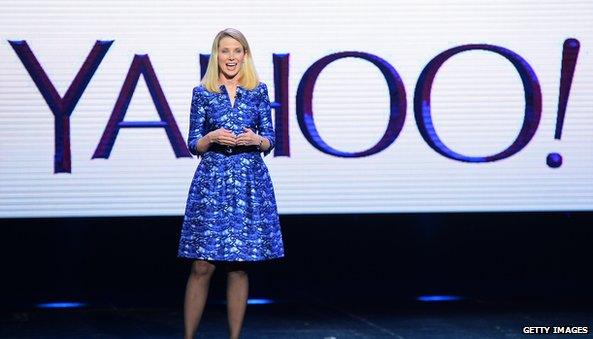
{"x": 239, "y": 88}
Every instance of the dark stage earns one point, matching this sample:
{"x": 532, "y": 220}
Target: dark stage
{"x": 344, "y": 276}
{"x": 284, "y": 319}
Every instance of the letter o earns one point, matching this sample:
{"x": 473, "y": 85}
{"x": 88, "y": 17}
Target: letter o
{"x": 397, "y": 106}
{"x": 533, "y": 103}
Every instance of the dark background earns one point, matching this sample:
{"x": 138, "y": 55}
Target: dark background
{"x": 355, "y": 258}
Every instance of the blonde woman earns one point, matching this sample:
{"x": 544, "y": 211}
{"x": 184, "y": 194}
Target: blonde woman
{"x": 231, "y": 217}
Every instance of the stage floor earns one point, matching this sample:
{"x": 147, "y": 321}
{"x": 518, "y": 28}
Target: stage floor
{"x": 312, "y": 319}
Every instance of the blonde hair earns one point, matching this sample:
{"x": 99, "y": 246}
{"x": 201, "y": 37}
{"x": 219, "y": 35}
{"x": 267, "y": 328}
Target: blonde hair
{"x": 247, "y": 75}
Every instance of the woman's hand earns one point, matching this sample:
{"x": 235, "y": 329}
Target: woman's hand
{"x": 222, "y": 136}
{"x": 248, "y": 138}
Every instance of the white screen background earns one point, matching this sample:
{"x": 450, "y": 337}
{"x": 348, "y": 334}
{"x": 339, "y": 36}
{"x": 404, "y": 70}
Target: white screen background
{"x": 477, "y": 104}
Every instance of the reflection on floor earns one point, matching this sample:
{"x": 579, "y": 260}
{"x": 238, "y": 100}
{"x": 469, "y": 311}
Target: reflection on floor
{"x": 448, "y": 318}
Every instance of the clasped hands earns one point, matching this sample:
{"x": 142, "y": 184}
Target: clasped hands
{"x": 225, "y": 137}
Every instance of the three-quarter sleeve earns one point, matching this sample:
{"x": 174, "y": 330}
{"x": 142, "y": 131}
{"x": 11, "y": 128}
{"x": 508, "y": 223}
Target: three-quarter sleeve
{"x": 197, "y": 121}
{"x": 265, "y": 127}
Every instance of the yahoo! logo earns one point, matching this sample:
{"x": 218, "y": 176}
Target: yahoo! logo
{"x": 62, "y": 107}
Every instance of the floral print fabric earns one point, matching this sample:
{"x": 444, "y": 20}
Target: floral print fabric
{"x": 231, "y": 212}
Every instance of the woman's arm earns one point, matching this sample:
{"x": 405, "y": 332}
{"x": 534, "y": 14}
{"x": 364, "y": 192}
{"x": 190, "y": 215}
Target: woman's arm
{"x": 265, "y": 145}
{"x": 265, "y": 127}
{"x": 203, "y": 144}
{"x": 199, "y": 140}
{"x": 196, "y": 141}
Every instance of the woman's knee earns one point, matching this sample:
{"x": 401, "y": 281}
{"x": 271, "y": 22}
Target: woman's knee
{"x": 236, "y": 269}
{"x": 202, "y": 268}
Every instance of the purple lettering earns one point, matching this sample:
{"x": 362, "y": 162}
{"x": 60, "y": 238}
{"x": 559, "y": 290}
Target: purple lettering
{"x": 61, "y": 108}
{"x": 141, "y": 66}
{"x": 397, "y": 107}
{"x": 533, "y": 103}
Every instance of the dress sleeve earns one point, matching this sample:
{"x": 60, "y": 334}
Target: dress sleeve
{"x": 197, "y": 121}
{"x": 265, "y": 127}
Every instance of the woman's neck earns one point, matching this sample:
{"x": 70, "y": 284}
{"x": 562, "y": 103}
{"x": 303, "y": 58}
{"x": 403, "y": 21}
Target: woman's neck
{"x": 233, "y": 82}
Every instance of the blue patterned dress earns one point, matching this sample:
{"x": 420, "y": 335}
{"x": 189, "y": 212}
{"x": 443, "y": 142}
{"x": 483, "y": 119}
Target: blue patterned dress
{"x": 231, "y": 212}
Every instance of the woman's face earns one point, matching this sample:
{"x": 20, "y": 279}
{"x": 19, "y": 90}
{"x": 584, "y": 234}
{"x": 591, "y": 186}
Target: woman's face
{"x": 230, "y": 56}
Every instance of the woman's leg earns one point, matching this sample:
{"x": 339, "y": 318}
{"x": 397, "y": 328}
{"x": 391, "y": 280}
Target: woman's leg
{"x": 196, "y": 293}
{"x": 237, "y": 291}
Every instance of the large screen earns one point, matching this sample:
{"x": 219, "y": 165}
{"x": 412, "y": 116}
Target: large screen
{"x": 379, "y": 106}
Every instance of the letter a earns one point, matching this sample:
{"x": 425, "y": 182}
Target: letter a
{"x": 141, "y": 65}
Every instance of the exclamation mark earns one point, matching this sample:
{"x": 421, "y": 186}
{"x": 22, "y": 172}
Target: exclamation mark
{"x": 570, "y": 53}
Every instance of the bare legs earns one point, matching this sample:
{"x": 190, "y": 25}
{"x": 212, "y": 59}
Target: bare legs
{"x": 236, "y": 294}
{"x": 196, "y": 293}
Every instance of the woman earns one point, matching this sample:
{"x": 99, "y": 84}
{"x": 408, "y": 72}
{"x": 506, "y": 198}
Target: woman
{"x": 230, "y": 216}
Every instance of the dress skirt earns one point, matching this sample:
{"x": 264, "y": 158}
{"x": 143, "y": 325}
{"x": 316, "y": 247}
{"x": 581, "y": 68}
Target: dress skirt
{"x": 231, "y": 212}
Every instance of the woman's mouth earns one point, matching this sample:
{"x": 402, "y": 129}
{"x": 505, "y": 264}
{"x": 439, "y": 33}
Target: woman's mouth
{"x": 231, "y": 65}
